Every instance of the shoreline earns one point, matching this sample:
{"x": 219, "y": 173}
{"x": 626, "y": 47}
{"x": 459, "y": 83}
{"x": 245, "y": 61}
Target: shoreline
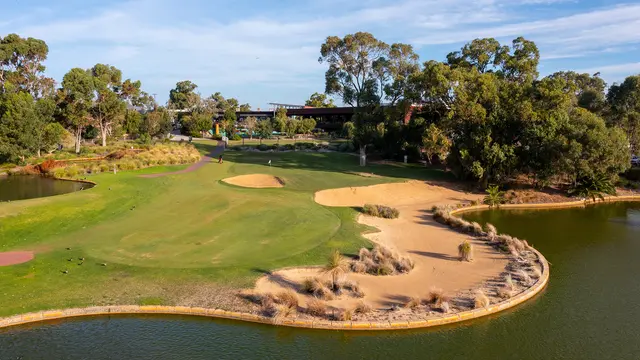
{"x": 417, "y": 323}
{"x": 309, "y": 324}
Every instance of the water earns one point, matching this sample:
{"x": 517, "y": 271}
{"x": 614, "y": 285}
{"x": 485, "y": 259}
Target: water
{"x": 32, "y": 186}
{"x": 590, "y": 310}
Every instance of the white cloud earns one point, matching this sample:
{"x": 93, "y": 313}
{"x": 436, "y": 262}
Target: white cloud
{"x": 273, "y": 47}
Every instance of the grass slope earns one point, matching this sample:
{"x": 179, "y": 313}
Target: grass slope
{"x": 169, "y": 239}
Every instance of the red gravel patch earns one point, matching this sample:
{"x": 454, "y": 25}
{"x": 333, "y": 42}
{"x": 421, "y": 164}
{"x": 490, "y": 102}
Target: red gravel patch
{"x": 15, "y": 257}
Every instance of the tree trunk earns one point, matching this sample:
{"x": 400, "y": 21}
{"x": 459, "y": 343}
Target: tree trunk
{"x": 104, "y": 137}
{"x": 78, "y": 136}
{"x": 38, "y": 152}
{"x": 363, "y": 155}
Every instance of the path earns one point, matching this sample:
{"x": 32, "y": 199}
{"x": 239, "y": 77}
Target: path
{"x": 193, "y": 167}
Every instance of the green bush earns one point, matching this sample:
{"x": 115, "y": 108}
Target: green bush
{"x": 264, "y": 147}
{"x": 235, "y": 137}
{"x": 633, "y": 174}
{"x": 346, "y": 147}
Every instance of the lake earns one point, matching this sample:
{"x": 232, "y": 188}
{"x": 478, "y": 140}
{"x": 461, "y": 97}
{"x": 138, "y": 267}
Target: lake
{"x": 20, "y": 187}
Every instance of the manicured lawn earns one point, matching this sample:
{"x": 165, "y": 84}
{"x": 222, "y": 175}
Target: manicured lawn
{"x": 156, "y": 235}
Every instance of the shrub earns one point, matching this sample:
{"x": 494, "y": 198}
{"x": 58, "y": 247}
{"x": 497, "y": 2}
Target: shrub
{"x": 536, "y": 272}
{"x": 235, "y": 137}
{"x": 509, "y": 282}
{"x": 371, "y": 210}
{"x": 481, "y": 300}
{"x": 267, "y": 305}
{"x": 346, "y": 315}
{"x": 524, "y": 277}
{"x": 405, "y": 265}
{"x": 492, "y": 232}
{"x": 308, "y": 285}
{"x": 358, "y": 267}
{"x": 437, "y": 296}
{"x": 380, "y": 211}
{"x": 362, "y": 308}
{"x": 363, "y": 254}
{"x": 504, "y": 292}
{"x": 494, "y": 197}
{"x": 336, "y": 265}
{"x": 465, "y": 250}
{"x": 263, "y": 147}
{"x": 288, "y": 298}
{"x": 385, "y": 268}
{"x": 413, "y": 303}
{"x": 48, "y": 165}
{"x": 316, "y": 308}
{"x": 321, "y": 291}
{"x": 476, "y": 229}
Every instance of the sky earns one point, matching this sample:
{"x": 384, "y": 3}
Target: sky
{"x": 262, "y": 51}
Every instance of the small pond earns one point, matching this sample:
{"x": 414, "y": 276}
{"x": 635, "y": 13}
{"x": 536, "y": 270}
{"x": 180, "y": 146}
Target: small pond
{"x": 590, "y": 310}
{"x": 22, "y": 187}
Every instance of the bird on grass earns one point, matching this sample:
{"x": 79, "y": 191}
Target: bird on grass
{"x": 103, "y": 264}
{"x": 69, "y": 259}
{"x": 68, "y": 248}
{"x": 65, "y": 271}
{"x": 81, "y": 262}
{"x": 81, "y": 259}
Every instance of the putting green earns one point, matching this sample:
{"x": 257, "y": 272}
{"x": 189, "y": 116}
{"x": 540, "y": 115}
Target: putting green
{"x": 144, "y": 238}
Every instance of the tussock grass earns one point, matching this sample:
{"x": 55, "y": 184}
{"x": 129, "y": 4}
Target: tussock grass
{"x": 445, "y": 307}
{"x": 492, "y": 232}
{"x": 504, "y": 292}
{"x": 362, "y": 308}
{"x": 481, "y": 300}
{"x": 359, "y": 267}
{"x": 336, "y": 265}
{"x": 364, "y": 254}
{"x": 413, "y": 303}
{"x": 536, "y": 272}
{"x": 385, "y": 268}
{"x": 465, "y": 251}
{"x": 380, "y": 211}
{"x": 316, "y": 307}
{"x": 405, "y": 265}
{"x": 476, "y": 229}
{"x": 509, "y": 282}
{"x": 524, "y": 278}
{"x": 346, "y": 315}
{"x": 437, "y": 296}
{"x": 288, "y": 298}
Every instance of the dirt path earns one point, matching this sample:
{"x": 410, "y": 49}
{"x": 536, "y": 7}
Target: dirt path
{"x": 15, "y": 257}
{"x": 193, "y": 167}
{"x": 415, "y": 234}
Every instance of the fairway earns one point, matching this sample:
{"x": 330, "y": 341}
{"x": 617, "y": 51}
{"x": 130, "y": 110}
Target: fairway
{"x": 169, "y": 237}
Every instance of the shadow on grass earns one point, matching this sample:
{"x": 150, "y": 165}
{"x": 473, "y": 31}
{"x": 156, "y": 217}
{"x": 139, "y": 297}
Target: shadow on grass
{"x": 334, "y": 162}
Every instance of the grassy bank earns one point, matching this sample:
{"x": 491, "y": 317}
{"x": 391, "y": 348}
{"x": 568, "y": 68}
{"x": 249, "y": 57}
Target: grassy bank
{"x": 180, "y": 239}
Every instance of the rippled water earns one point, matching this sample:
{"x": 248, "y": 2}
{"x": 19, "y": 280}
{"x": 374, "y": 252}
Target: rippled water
{"x": 33, "y": 186}
{"x": 590, "y": 310}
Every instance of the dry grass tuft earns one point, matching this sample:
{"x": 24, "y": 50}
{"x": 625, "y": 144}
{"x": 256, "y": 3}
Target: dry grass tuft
{"x": 524, "y": 277}
{"x": 413, "y": 303}
{"x": 509, "y": 282}
{"x": 316, "y": 307}
{"x": 504, "y": 292}
{"x": 536, "y": 271}
{"x": 445, "y": 307}
{"x": 362, "y": 308}
{"x": 308, "y": 285}
{"x": 465, "y": 251}
{"x": 363, "y": 254}
{"x": 437, "y": 296}
{"x": 405, "y": 265}
{"x": 481, "y": 300}
{"x": 359, "y": 267}
{"x": 288, "y": 298}
{"x": 476, "y": 229}
{"x": 492, "y": 232}
{"x": 346, "y": 315}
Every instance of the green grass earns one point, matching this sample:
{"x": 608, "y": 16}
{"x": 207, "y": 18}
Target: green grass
{"x": 161, "y": 237}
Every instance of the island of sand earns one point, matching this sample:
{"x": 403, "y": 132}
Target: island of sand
{"x": 431, "y": 246}
{"x": 258, "y": 181}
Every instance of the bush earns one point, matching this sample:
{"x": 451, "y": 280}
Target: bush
{"x": 263, "y": 147}
{"x": 346, "y": 315}
{"x": 235, "y": 137}
{"x": 316, "y": 308}
{"x": 481, "y": 300}
{"x": 436, "y": 296}
{"x": 358, "y": 267}
{"x": 144, "y": 139}
{"x": 504, "y": 292}
{"x": 346, "y": 147}
{"x": 413, "y": 303}
{"x": 362, "y": 308}
{"x": 465, "y": 250}
{"x": 288, "y": 298}
{"x": 380, "y": 211}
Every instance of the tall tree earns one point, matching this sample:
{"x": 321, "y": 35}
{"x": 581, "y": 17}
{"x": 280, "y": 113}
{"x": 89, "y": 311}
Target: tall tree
{"x": 624, "y": 101}
{"x": 319, "y": 100}
{"x": 352, "y": 66}
{"x": 19, "y": 122}
{"x": 108, "y": 106}
{"x": 250, "y": 123}
{"x": 183, "y": 96}
{"x": 21, "y": 66}
{"x": 74, "y": 100}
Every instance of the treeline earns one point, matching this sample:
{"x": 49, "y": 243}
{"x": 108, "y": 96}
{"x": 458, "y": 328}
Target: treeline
{"x": 484, "y": 112}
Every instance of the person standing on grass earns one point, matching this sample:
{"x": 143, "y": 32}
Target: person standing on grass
{"x": 220, "y": 159}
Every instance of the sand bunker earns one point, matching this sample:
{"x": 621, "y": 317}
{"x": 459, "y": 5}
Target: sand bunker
{"x": 432, "y": 246}
{"x": 255, "y": 181}
{"x": 15, "y": 257}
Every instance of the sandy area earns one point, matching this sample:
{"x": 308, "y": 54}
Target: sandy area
{"x": 432, "y": 246}
{"x": 15, "y": 257}
{"x": 255, "y": 181}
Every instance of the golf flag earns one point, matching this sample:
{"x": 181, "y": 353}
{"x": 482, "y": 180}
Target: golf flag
{"x": 269, "y": 162}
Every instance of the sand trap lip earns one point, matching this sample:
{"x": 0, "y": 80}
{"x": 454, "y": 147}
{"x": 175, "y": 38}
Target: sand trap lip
{"x": 15, "y": 257}
{"x": 257, "y": 181}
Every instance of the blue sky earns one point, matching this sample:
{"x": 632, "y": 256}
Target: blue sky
{"x": 267, "y": 51}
